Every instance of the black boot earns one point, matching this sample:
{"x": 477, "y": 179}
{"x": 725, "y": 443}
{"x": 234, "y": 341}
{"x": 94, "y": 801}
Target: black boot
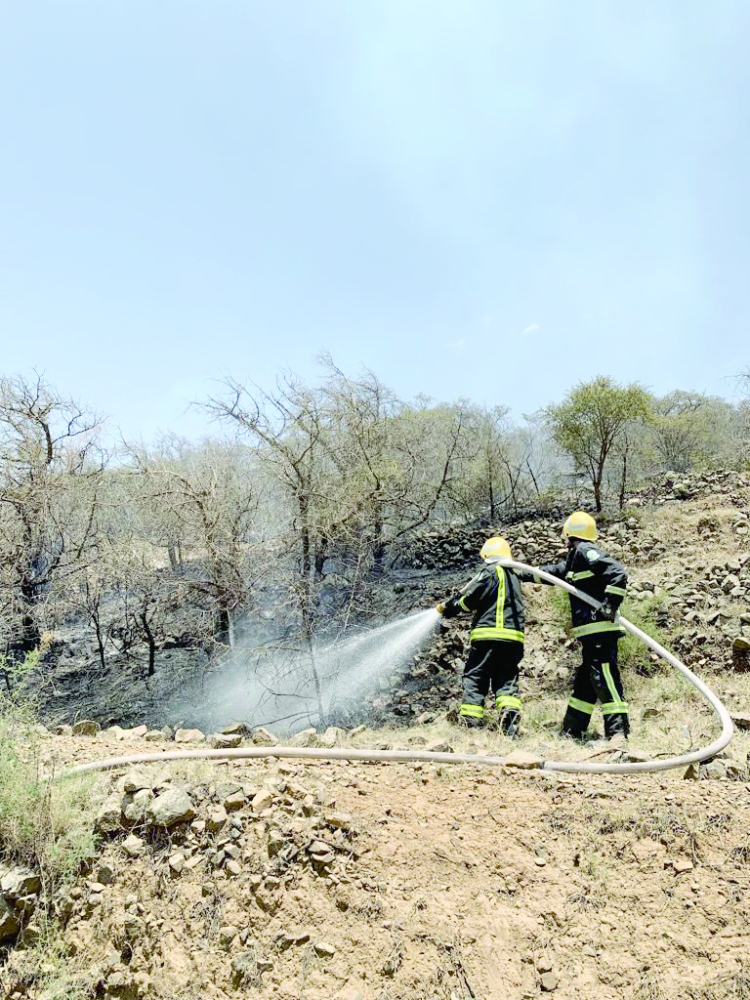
{"x": 510, "y": 722}
{"x": 579, "y": 735}
{"x": 616, "y": 725}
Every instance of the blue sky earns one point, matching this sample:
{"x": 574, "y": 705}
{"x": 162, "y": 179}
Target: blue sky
{"x": 482, "y": 199}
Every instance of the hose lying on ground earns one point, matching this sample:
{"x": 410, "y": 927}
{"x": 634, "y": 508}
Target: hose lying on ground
{"x": 573, "y": 767}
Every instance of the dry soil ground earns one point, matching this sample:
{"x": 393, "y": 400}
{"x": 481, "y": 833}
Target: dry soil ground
{"x": 447, "y": 882}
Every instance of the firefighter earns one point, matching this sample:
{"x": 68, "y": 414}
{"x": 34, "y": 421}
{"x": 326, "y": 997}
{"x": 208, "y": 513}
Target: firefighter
{"x": 494, "y": 598}
{"x": 597, "y": 677}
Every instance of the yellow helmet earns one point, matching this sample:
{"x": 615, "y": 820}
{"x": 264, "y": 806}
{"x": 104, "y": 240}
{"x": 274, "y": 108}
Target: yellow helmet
{"x": 495, "y": 548}
{"x": 580, "y": 525}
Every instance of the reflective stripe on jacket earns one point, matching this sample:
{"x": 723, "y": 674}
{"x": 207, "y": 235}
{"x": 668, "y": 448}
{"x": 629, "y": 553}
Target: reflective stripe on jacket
{"x": 494, "y": 596}
{"x": 597, "y": 574}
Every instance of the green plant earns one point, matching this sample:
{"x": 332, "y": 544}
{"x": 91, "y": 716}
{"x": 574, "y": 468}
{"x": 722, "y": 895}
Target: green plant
{"x": 46, "y": 825}
{"x": 15, "y": 670}
{"x": 558, "y": 604}
{"x": 633, "y": 654}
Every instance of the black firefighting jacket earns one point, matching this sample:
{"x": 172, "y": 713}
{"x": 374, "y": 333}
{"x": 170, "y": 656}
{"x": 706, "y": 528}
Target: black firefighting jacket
{"x": 595, "y": 573}
{"x": 494, "y": 596}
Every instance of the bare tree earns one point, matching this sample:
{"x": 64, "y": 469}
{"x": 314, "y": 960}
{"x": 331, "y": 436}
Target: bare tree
{"x": 201, "y": 504}
{"x": 50, "y": 470}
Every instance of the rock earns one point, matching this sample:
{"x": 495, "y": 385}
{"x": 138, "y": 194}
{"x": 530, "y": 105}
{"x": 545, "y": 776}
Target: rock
{"x": 221, "y": 741}
{"x": 105, "y": 873}
{"x": 86, "y": 727}
{"x": 134, "y": 782}
{"x": 715, "y": 769}
{"x": 263, "y": 738}
{"x": 681, "y": 865}
{"x": 358, "y": 730}
{"x": 549, "y": 982}
{"x": 692, "y": 772}
{"x": 330, "y": 737}
{"x": 339, "y": 820}
{"x": 133, "y": 846}
{"x": 63, "y": 730}
{"x": 235, "y": 801}
{"x": 122, "y": 986}
{"x": 136, "y": 732}
{"x": 324, "y": 949}
{"x": 217, "y": 819}
{"x": 19, "y": 882}
{"x": 633, "y": 756}
{"x": 523, "y": 759}
{"x": 155, "y": 736}
{"x": 109, "y": 817}
{"x": 135, "y": 807}
{"x": 425, "y": 718}
{"x": 736, "y": 772}
{"x": 32, "y": 932}
{"x": 235, "y": 728}
{"x": 10, "y": 924}
{"x": 233, "y": 867}
{"x": 276, "y": 842}
{"x": 189, "y": 736}
{"x": 227, "y": 934}
{"x": 176, "y": 862}
{"x": 244, "y": 969}
{"x": 320, "y": 852}
{"x": 172, "y": 806}
{"x": 438, "y": 746}
{"x": 305, "y": 738}
{"x": 262, "y": 800}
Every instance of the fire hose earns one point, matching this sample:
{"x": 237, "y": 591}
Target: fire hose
{"x": 428, "y": 756}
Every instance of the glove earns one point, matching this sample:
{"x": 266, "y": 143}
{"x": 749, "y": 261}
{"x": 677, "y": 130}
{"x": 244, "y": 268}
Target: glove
{"x": 440, "y": 608}
{"x": 607, "y": 611}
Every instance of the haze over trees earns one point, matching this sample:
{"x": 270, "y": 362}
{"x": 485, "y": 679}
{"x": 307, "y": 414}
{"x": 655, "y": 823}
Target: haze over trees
{"x": 308, "y": 491}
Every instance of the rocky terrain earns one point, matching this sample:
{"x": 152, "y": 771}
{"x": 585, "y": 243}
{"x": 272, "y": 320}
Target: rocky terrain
{"x": 316, "y": 880}
{"x": 418, "y": 881}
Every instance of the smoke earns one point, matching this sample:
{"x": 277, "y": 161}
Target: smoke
{"x": 278, "y": 689}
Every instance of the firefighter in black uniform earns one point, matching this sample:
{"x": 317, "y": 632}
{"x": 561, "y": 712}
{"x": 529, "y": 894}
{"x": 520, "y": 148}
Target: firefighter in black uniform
{"x": 600, "y": 576}
{"x": 495, "y": 599}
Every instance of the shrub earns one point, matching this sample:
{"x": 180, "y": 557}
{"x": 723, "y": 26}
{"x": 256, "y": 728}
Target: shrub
{"x": 44, "y": 825}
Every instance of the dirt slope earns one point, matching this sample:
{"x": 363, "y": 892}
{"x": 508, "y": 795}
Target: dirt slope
{"x": 434, "y": 882}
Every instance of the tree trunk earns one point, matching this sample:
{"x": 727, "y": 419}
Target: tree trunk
{"x": 309, "y": 636}
{"x": 624, "y": 479}
{"x": 175, "y": 560}
{"x": 223, "y": 627}
{"x": 151, "y": 642}
{"x": 99, "y": 640}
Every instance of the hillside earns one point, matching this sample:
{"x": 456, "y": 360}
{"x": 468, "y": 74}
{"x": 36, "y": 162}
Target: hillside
{"x": 319, "y": 880}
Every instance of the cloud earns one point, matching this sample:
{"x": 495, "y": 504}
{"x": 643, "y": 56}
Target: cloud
{"x": 532, "y": 328}
{"x": 457, "y": 347}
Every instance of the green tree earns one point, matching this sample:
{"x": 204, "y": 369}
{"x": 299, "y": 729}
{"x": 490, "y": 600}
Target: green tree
{"x": 591, "y": 422}
{"x": 690, "y": 429}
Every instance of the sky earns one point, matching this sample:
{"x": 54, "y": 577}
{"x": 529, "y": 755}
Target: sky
{"x": 472, "y": 198}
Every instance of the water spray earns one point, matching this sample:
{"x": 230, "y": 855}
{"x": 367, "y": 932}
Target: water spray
{"x": 573, "y": 767}
{"x": 278, "y": 688}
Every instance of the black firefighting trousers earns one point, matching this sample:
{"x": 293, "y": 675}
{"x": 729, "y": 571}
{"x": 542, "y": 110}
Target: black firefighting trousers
{"x": 493, "y": 664}
{"x": 597, "y": 678}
